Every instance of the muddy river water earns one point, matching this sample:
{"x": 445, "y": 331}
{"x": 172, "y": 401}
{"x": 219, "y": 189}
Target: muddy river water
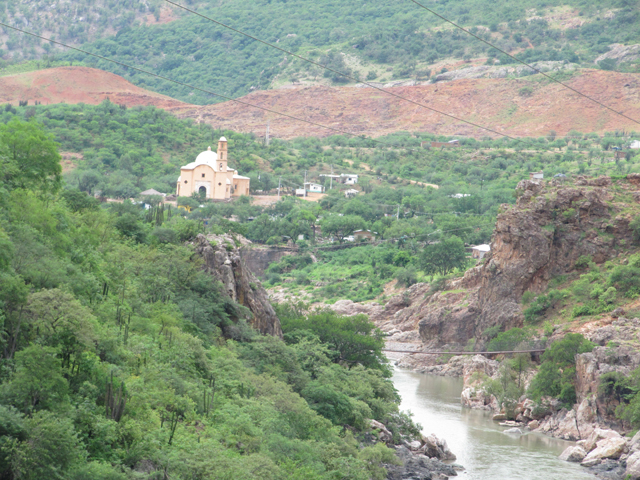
{"x": 478, "y": 442}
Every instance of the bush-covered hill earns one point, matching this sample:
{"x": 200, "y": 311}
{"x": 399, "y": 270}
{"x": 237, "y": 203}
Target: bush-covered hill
{"x": 121, "y": 359}
{"x": 374, "y": 40}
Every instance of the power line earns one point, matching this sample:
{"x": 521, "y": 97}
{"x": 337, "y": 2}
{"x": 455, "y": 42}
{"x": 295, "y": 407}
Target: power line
{"x": 338, "y": 72}
{"x": 523, "y": 62}
{"x": 241, "y": 102}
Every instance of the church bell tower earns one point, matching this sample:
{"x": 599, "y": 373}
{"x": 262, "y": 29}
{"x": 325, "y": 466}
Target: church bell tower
{"x": 222, "y": 154}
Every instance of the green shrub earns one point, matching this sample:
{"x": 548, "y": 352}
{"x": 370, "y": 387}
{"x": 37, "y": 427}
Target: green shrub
{"x": 557, "y": 374}
{"x": 541, "y": 304}
{"x": 509, "y": 340}
{"x": 406, "y": 276}
{"x": 583, "y": 262}
{"x": 527, "y": 297}
{"x": 491, "y": 332}
{"x": 626, "y": 278}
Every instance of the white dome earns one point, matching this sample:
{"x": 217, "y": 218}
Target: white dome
{"x": 222, "y": 139}
{"x": 207, "y": 156}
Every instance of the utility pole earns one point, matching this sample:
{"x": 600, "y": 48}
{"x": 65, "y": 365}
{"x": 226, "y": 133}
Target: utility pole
{"x": 331, "y": 177}
{"x": 398, "y": 213}
{"x": 266, "y": 138}
{"x": 279, "y": 184}
{"x": 305, "y": 184}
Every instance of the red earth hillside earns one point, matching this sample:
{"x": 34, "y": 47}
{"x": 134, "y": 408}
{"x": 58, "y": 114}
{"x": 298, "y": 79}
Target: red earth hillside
{"x": 79, "y": 85}
{"x": 500, "y": 104}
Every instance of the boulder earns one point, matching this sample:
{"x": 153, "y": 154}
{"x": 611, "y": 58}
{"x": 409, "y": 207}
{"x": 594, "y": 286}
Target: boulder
{"x": 435, "y": 447}
{"x": 384, "y": 435}
{"x": 633, "y": 466}
{"x": 533, "y": 424}
{"x": 597, "y": 435}
{"x": 415, "y": 445}
{"x": 606, "y": 448}
{"x": 499, "y": 417}
{"x": 573, "y": 454}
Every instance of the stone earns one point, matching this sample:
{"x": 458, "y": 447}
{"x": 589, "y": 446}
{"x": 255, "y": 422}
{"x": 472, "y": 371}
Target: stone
{"x": 435, "y": 447}
{"x": 573, "y": 454}
{"x": 533, "y": 424}
{"x": 597, "y": 435}
{"x": 607, "y": 448}
{"x": 384, "y": 435}
{"x": 415, "y": 445}
{"x": 416, "y": 466}
{"x": 499, "y": 417}
{"x": 618, "y": 312}
{"x": 513, "y": 431}
{"x": 633, "y": 466}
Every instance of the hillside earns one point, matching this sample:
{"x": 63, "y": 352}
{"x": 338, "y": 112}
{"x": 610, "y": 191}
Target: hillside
{"x": 79, "y": 85}
{"x": 523, "y": 107}
{"x": 374, "y": 40}
{"x": 517, "y": 107}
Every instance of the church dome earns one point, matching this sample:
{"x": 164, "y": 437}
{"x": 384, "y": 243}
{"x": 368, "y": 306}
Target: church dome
{"x": 207, "y": 156}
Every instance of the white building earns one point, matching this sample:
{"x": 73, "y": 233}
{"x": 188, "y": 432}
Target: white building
{"x": 313, "y": 187}
{"x": 349, "y": 179}
{"x": 479, "y": 251}
{"x": 635, "y": 144}
{"x": 352, "y": 192}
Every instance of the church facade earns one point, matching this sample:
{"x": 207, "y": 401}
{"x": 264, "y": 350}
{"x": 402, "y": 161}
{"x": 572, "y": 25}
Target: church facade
{"x": 210, "y": 175}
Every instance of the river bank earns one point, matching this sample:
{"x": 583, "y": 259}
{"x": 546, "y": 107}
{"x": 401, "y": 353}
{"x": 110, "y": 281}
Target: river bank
{"x": 480, "y": 444}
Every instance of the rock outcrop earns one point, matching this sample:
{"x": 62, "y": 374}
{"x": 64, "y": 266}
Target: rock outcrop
{"x": 487, "y": 71}
{"x": 620, "y": 53}
{"x": 418, "y": 466}
{"x": 535, "y": 240}
{"x": 221, "y": 256}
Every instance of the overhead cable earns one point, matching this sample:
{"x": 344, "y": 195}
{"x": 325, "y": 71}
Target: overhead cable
{"x": 523, "y": 62}
{"x": 345, "y": 75}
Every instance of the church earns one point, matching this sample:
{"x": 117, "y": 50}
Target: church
{"x": 210, "y": 175}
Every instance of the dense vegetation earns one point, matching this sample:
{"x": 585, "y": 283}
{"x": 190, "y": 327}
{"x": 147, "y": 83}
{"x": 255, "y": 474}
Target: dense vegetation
{"x": 118, "y": 152}
{"x": 373, "y": 41}
{"x": 121, "y": 358}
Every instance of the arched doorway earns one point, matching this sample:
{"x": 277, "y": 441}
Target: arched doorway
{"x": 202, "y": 191}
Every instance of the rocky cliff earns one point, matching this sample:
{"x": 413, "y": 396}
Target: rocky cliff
{"x": 221, "y": 255}
{"x": 539, "y": 238}
{"x": 535, "y": 240}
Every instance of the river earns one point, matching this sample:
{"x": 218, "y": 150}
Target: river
{"x": 477, "y": 441}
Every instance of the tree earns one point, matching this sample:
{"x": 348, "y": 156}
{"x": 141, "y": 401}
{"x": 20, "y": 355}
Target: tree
{"x": 38, "y": 382}
{"x": 52, "y": 447}
{"x": 31, "y": 156}
{"x": 355, "y": 340}
{"x": 442, "y": 258}
{"x": 341, "y": 226}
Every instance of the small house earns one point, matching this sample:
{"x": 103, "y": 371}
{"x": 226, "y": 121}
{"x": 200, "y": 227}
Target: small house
{"x": 363, "y": 235}
{"x": 479, "y": 251}
{"x": 635, "y": 144}
{"x": 536, "y": 176}
{"x": 313, "y": 187}
{"x": 352, "y": 192}
{"x": 349, "y": 179}
{"x": 620, "y": 154}
{"x": 300, "y": 192}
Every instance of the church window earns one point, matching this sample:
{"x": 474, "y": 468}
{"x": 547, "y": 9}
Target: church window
{"x": 219, "y": 184}
{"x": 220, "y": 166}
{"x": 203, "y": 175}
{"x": 185, "y": 181}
